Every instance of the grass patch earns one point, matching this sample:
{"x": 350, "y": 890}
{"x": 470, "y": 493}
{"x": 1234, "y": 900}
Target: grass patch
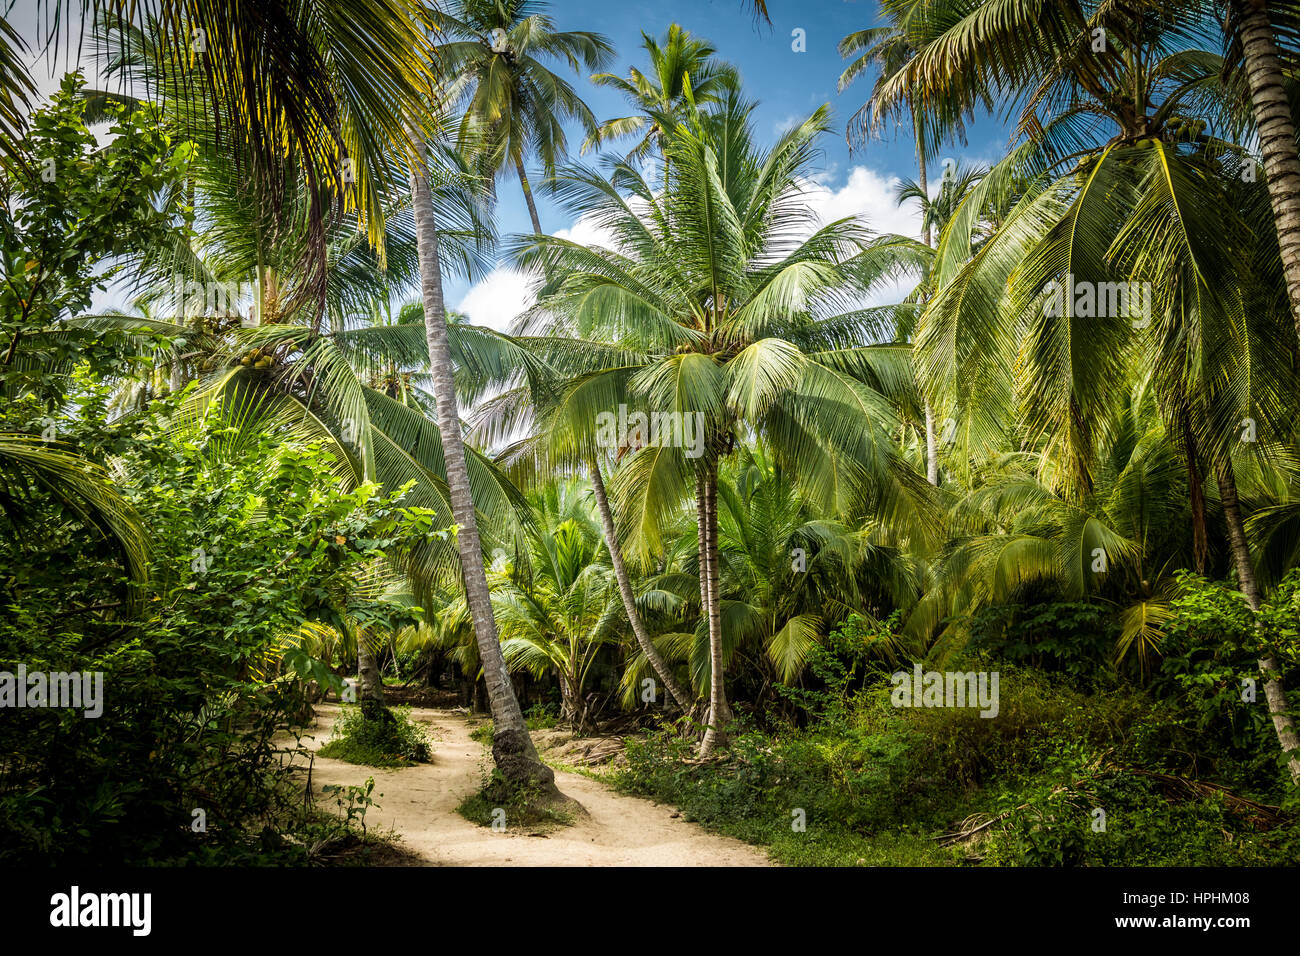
{"x": 524, "y": 810}
{"x": 380, "y": 738}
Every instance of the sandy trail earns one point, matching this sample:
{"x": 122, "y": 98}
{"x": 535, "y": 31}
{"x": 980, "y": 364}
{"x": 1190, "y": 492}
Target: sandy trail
{"x": 419, "y": 803}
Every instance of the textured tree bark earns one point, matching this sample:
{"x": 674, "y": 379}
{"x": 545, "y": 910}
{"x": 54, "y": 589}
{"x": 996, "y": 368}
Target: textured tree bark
{"x": 652, "y": 654}
{"x": 1277, "y": 137}
{"x": 922, "y": 180}
{"x": 528, "y": 196}
{"x": 512, "y": 748}
{"x": 701, "y": 712}
{"x": 931, "y": 448}
{"x": 1200, "y": 529}
{"x": 719, "y": 709}
{"x": 1274, "y": 692}
{"x": 370, "y": 685}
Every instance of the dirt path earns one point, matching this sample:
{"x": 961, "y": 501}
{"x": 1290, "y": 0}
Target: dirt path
{"x": 420, "y": 804}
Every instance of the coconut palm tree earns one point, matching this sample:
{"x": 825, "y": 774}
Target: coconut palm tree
{"x": 529, "y": 375}
{"x": 1116, "y": 190}
{"x": 295, "y": 91}
{"x": 683, "y": 74}
{"x": 512, "y": 748}
{"x": 888, "y": 49}
{"x": 558, "y": 614}
{"x": 1253, "y": 28}
{"x": 493, "y": 58}
{"x": 713, "y": 302}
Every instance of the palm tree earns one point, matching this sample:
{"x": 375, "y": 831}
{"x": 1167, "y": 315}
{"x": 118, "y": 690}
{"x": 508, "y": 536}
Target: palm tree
{"x": 683, "y": 75}
{"x": 889, "y": 49}
{"x": 712, "y": 303}
{"x": 529, "y": 375}
{"x": 559, "y": 613}
{"x": 294, "y": 90}
{"x": 1251, "y": 24}
{"x": 789, "y": 574}
{"x": 16, "y": 88}
{"x": 29, "y": 464}
{"x": 493, "y": 59}
{"x": 1160, "y": 203}
{"x": 512, "y": 748}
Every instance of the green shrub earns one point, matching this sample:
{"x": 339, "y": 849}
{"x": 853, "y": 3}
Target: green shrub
{"x": 377, "y": 737}
{"x": 877, "y": 785}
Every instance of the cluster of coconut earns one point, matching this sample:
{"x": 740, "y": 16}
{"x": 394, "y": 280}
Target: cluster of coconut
{"x": 256, "y": 359}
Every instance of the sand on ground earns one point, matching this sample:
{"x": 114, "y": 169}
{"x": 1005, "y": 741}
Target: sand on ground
{"x": 419, "y": 804}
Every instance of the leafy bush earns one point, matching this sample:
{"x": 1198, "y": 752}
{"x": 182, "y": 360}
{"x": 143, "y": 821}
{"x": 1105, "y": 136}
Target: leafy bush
{"x": 1209, "y": 671}
{"x": 378, "y": 738}
{"x": 874, "y": 784}
{"x": 1076, "y": 638}
{"x": 200, "y": 665}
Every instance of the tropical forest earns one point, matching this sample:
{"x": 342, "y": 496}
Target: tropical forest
{"x": 442, "y": 433}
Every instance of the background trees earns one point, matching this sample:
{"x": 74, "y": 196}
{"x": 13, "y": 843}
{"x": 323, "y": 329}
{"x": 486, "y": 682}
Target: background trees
{"x": 1112, "y": 464}
{"x": 492, "y": 59}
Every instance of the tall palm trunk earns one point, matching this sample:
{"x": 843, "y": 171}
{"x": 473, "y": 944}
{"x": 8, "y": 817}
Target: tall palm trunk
{"x": 528, "y": 196}
{"x": 931, "y": 444}
{"x": 625, "y": 590}
{"x": 1200, "y": 532}
{"x": 931, "y": 447}
{"x": 701, "y": 714}
{"x": 370, "y": 683}
{"x": 1277, "y": 136}
{"x": 719, "y": 709}
{"x": 1274, "y": 692}
{"x": 512, "y": 749}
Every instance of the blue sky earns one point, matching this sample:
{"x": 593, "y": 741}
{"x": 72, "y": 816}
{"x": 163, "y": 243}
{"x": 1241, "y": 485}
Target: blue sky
{"x": 788, "y": 85}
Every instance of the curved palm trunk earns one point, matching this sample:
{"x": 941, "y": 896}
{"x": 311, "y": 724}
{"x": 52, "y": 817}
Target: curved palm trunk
{"x": 719, "y": 709}
{"x": 528, "y": 196}
{"x": 625, "y": 590}
{"x": 512, "y": 749}
{"x": 1277, "y": 137}
{"x": 1274, "y": 692}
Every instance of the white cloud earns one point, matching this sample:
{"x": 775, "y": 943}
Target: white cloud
{"x": 784, "y": 126}
{"x": 496, "y": 300}
{"x": 868, "y": 195}
{"x": 587, "y": 233}
{"x": 871, "y": 197}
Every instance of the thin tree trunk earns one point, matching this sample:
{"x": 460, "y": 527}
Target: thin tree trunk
{"x": 931, "y": 447}
{"x": 1277, "y": 137}
{"x": 1274, "y": 692}
{"x": 528, "y": 196}
{"x": 370, "y": 683}
{"x": 702, "y": 538}
{"x": 1200, "y": 534}
{"x": 512, "y": 748}
{"x": 922, "y": 180}
{"x": 719, "y": 709}
{"x": 625, "y": 589}
{"x": 392, "y": 649}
